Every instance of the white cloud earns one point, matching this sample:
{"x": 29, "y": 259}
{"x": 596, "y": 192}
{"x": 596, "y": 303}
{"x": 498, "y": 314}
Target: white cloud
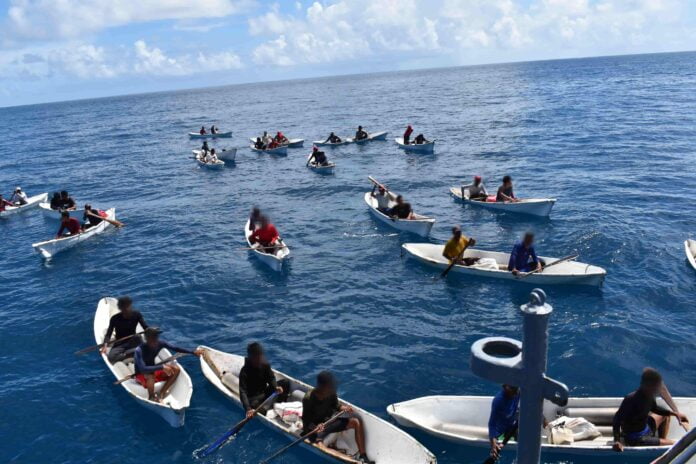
{"x": 152, "y": 60}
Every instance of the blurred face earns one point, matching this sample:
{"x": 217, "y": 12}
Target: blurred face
{"x": 153, "y": 340}
{"x": 652, "y": 389}
{"x": 528, "y": 240}
{"x": 510, "y": 390}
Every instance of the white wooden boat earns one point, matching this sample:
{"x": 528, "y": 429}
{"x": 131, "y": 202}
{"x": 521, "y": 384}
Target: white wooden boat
{"x": 219, "y": 164}
{"x": 274, "y": 261}
{"x": 690, "y": 248}
{"x": 219, "y": 135}
{"x": 31, "y": 202}
{"x": 569, "y": 272}
{"x": 370, "y": 137}
{"x": 325, "y": 169}
{"x": 464, "y": 419}
{"x": 226, "y": 154}
{"x": 292, "y": 143}
{"x": 531, "y": 206}
{"x": 57, "y": 213}
{"x": 421, "y": 148}
{"x": 324, "y": 143}
{"x": 419, "y": 226}
{"x": 173, "y": 406}
{"x": 385, "y": 443}
{"x": 279, "y": 151}
{"x": 49, "y": 248}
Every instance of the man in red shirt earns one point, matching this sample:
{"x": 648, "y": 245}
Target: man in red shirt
{"x": 4, "y": 203}
{"x": 70, "y": 223}
{"x": 267, "y": 236}
{"x": 407, "y": 135}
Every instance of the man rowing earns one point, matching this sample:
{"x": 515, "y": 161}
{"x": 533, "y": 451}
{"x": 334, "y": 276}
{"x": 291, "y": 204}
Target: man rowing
{"x": 125, "y": 324}
{"x": 19, "y": 198}
{"x": 69, "y": 224}
{"x": 266, "y": 236}
{"x": 333, "y": 138}
{"x": 504, "y": 417}
{"x": 476, "y": 191}
{"x": 456, "y": 246}
{"x": 202, "y": 131}
{"x": 420, "y": 140}
{"x": 384, "y": 198}
{"x": 401, "y": 209}
{"x": 256, "y": 379}
{"x": 213, "y": 129}
{"x": 4, "y": 203}
{"x": 640, "y": 420}
{"x": 505, "y": 191}
{"x": 92, "y": 217}
{"x": 318, "y": 156}
{"x": 523, "y": 257}
{"x": 407, "y": 135}
{"x": 361, "y": 134}
{"x": 320, "y": 404}
{"x": 148, "y": 371}
{"x": 259, "y": 145}
{"x": 281, "y": 139}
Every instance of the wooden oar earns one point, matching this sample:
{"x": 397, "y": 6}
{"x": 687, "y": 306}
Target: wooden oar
{"x": 285, "y": 448}
{"x": 558, "y": 261}
{"x": 231, "y": 433}
{"x": 113, "y": 222}
{"x": 169, "y": 359}
{"x": 113, "y": 342}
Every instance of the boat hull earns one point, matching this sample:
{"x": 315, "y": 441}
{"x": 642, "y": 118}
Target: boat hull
{"x": 690, "y": 248}
{"x": 420, "y": 226}
{"x": 32, "y": 202}
{"x": 226, "y": 154}
{"x": 533, "y": 207}
{"x": 370, "y": 137}
{"x": 444, "y": 416}
{"x": 292, "y": 143}
{"x": 219, "y": 135}
{"x": 57, "y": 214}
{"x": 173, "y": 408}
{"x": 274, "y": 261}
{"x": 50, "y": 248}
{"x": 567, "y": 273}
{"x": 280, "y": 151}
{"x": 419, "y": 148}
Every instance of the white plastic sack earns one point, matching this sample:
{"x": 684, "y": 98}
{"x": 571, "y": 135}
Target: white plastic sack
{"x": 289, "y": 413}
{"x": 566, "y": 430}
{"x": 486, "y": 263}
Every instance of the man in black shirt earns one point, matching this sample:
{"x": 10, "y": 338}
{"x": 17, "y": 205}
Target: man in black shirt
{"x": 256, "y": 379}
{"x": 402, "y": 209}
{"x": 125, "y": 323}
{"x": 640, "y": 420}
{"x": 66, "y": 201}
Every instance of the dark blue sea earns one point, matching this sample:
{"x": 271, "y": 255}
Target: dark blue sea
{"x": 611, "y": 138}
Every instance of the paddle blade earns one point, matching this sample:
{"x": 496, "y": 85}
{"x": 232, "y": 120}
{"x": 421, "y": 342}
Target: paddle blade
{"x": 88, "y": 349}
{"x": 219, "y": 443}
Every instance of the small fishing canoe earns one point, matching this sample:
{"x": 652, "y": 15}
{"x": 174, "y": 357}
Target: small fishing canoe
{"x": 420, "y": 148}
{"x": 31, "y": 202}
{"x": 568, "y": 272}
{"x": 321, "y": 169}
{"x": 219, "y": 135}
{"x": 464, "y": 420}
{"x": 690, "y": 248}
{"x": 292, "y": 143}
{"x": 219, "y": 164}
{"x": 531, "y": 206}
{"x": 49, "y": 248}
{"x": 279, "y": 151}
{"x": 419, "y": 226}
{"x": 274, "y": 261}
{"x": 385, "y": 443}
{"x": 370, "y": 137}
{"x": 226, "y": 154}
{"x": 324, "y": 143}
{"x": 173, "y": 406}
{"x": 57, "y": 213}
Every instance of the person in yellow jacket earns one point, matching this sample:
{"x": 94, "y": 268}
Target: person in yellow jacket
{"x": 457, "y": 245}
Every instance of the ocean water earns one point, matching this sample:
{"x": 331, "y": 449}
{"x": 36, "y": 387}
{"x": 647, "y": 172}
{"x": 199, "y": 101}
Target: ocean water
{"x": 611, "y": 138}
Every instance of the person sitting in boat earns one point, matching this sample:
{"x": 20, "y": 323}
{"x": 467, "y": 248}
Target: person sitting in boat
{"x": 259, "y": 145}
{"x": 333, "y": 138}
{"x": 640, "y": 420}
{"x": 523, "y": 257}
{"x": 55, "y": 200}
{"x": 211, "y": 157}
{"x": 205, "y": 148}
{"x": 148, "y": 371}
{"x": 402, "y": 209}
{"x": 254, "y": 218}
{"x": 281, "y": 139}
{"x": 273, "y": 144}
{"x": 320, "y": 404}
{"x": 92, "y": 217}
{"x": 456, "y": 246}
{"x": 420, "y": 139}
{"x": 503, "y": 420}
{"x": 384, "y": 198}
{"x": 202, "y": 131}
{"x": 361, "y": 134}
{"x": 66, "y": 202}
{"x": 256, "y": 380}
{"x": 125, "y": 325}
{"x": 4, "y": 203}
{"x": 477, "y": 191}
{"x": 18, "y": 197}
{"x": 505, "y": 192}
{"x": 407, "y": 135}
{"x": 213, "y": 130}
{"x": 70, "y": 224}
{"x": 266, "y": 139}
{"x": 266, "y": 236}
{"x": 319, "y": 157}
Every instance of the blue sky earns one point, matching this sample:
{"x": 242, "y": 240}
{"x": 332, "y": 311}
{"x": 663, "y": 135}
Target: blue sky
{"x": 52, "y": 50}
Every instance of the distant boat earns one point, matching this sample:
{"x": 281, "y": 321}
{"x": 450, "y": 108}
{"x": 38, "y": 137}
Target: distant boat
{"x": 418, "y": 147}
{"x": 690, "y": 248}
{"x": 31, "y": 202}
{"x": 49, "y": 248}
{"x": 218, "y": 135}
{"x": 292, "y": 143}
{"x": 279, "y": 151}
{"x": 530, "y": 206}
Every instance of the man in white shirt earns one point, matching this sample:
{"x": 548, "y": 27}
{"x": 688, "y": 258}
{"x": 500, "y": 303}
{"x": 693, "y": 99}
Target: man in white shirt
{"x": 475, "y": 191}
{"x": 266, "y": 139}
{"x": 383, "y": 198}
{"x": 19, "y": 197}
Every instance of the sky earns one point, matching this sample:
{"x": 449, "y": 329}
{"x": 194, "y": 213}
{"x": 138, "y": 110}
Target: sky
{"x": 54, "y": 50}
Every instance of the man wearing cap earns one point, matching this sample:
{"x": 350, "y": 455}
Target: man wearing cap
{"x": 256, "y": 379}
{"x": 125, "y": 324}
{"x": 19, "y": 198}
{"x": 475, "y": 191}
{"x": 148, "y": 371}
{"x": 66, "y": 201}
{"x": 384, "y": 198}
{"x": 321, "y": 404}
{"x": 456, "y": 246}
{"x": 318, "y": 156}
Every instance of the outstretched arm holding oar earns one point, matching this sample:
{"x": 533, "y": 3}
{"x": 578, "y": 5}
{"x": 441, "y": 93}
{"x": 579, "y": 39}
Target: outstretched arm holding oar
{"x": 113, "y": 222}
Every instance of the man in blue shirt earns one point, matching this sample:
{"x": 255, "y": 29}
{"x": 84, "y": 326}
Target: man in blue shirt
{"x": 523, "y": 257}
{"x": 502, "y": 423}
